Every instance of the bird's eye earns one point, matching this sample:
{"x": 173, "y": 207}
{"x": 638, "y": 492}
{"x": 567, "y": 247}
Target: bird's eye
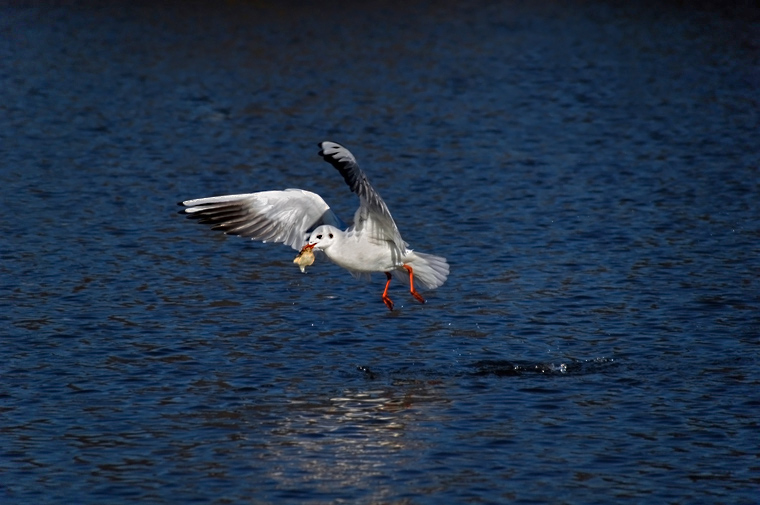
{"x": 331, "y": 235}
{"x": 319, "y": 237}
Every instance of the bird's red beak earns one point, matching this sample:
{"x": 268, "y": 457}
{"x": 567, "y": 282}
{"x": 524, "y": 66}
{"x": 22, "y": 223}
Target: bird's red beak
{"x": 307, "y": 247}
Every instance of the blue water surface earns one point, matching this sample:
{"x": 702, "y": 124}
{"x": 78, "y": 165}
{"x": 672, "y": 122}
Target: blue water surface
{"x": 590, "y": 170}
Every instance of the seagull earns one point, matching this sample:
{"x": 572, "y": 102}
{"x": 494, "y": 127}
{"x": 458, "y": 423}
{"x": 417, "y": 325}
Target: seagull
{"x": 304, "y": 221}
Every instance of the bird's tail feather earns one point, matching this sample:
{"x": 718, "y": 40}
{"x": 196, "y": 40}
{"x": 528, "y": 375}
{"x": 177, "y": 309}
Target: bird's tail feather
{"x": 430, "y": 271}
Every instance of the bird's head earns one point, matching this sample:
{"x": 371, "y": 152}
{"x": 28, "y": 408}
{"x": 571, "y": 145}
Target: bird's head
{"x": 322, "y": 237}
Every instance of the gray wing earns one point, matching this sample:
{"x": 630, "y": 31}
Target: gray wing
{"x": 373, "y": 215}
{"x": 270, "y": 216}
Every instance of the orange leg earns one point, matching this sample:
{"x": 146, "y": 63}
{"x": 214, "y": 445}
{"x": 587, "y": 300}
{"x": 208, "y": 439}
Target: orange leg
{"x": 411, "y": 285}
{"x": 386, "y": 299}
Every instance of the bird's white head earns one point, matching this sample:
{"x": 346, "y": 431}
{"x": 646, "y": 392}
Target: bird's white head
{"x": 323, "y": 237}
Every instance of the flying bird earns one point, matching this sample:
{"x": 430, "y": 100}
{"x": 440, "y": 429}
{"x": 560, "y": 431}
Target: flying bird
{"x": 304, "y": 221}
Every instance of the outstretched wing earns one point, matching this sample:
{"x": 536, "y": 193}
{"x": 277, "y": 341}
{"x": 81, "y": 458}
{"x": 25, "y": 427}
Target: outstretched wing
{"x": 270, "y": 216}
{"x": 373, "y": 216}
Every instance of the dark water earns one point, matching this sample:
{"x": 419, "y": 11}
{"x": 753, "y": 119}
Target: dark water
{"x": 590, "y": 171}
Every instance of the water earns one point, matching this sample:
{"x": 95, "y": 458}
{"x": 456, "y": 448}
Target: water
{"x": 590, "y": 171}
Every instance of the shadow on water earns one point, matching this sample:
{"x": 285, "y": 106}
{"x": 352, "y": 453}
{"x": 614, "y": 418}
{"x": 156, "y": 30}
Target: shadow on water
{"x": 504, "y": 368}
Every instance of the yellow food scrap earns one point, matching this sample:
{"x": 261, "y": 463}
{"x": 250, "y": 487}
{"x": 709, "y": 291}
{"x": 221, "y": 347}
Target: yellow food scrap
{"x": 305, "y": 258}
